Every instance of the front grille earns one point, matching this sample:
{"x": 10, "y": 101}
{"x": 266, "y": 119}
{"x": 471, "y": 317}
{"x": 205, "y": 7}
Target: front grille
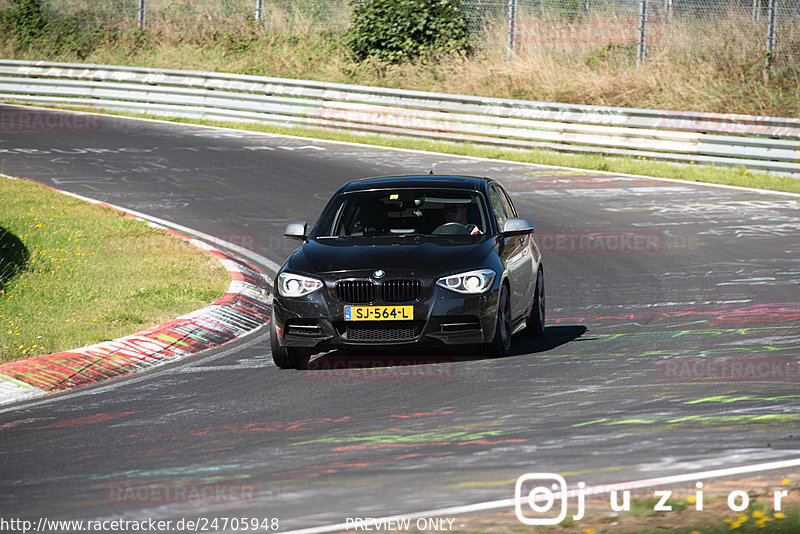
{"x": 355, "y": 291}
{"x": 366, "y": 291}
{"x": 401, "y": 290}
{"x": 380, "y": 333}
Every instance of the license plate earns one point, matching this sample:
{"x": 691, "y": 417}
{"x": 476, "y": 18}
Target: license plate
{"x": 378, "y": 313}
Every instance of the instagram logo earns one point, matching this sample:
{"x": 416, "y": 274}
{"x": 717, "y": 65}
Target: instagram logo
{"x": 535, "y": 496}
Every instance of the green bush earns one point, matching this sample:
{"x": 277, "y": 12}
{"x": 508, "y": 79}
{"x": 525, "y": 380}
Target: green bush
{"x": 32, "y": 27}
{"x": 398, "y": 30}
{"x": 25, "y": 21}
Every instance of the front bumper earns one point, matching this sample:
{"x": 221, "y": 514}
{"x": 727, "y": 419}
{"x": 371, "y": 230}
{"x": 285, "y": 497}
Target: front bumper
{"x": 316, "y": 322}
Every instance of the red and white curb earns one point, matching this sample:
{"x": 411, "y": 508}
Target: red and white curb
{"x": 244, "y": 308}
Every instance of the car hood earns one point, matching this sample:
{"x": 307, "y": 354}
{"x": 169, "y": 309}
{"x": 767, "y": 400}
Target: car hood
{"x": 421, "y": 255}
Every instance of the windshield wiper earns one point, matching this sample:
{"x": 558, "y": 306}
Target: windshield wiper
{"x": 412, "y": 234}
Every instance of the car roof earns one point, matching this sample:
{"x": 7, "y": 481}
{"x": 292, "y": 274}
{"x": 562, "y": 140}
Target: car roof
{"x": 471, "y": 183}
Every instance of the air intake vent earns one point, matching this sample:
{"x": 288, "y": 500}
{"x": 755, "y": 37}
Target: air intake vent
{"x": 380, "y": 333}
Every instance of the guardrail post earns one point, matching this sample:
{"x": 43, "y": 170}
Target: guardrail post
{"x": 641, "y": 49}
{"x": 259, "y": 10}
{"x": 142, "y": 13}
{"x": 771, "y": 16}
{"x": 512, "y": 25}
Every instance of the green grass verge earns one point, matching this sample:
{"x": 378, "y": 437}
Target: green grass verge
{"x": 73, "y": 273}
{"x": 736, "y": 176}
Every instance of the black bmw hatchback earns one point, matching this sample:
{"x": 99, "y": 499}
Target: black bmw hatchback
{"x": 405, "y": 260}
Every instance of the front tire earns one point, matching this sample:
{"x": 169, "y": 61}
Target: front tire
{"x": 535, "y": 326}
{"x": 501, "y": 343}
{"x": 285, "y": 357}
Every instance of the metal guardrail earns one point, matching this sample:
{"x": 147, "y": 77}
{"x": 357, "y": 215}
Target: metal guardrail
{"x": 759, "y": 143}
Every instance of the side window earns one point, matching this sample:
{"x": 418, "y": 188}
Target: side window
{"x": 508, "y": 204}
{"x": 499, "y": 206}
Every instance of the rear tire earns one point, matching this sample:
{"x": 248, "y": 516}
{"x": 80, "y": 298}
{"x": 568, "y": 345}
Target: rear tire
{"x": 501, "y": 343}
{"x": 535, "y": 326}
{"x": 285, "y": 357}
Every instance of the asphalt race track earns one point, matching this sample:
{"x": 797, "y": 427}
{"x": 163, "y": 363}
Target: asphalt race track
{"x": 672, "y": 340}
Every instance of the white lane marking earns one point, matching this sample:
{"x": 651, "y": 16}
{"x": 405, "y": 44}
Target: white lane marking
{"x": 441, "y": 154}
{"x": 12, "y": 391}
{"x": 258, "y": 258}
{"x": 587, "y": 491}
{"x": 236, "y": 367}
{"x": 610, "y": 192}
{"x": 145, "y": 374}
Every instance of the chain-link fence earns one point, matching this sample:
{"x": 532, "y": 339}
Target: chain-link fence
{"x": 224, "y": 13}
{"x": 595, "y": 30}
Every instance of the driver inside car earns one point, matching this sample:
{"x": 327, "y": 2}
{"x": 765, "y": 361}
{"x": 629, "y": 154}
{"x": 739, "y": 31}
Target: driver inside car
{"x": 457, "y": 213}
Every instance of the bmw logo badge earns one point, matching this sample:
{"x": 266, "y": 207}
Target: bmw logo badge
{"x": 379, "y": 274}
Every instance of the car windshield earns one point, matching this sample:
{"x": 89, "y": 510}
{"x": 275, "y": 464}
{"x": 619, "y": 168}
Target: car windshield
{"x": 404, "y": 212}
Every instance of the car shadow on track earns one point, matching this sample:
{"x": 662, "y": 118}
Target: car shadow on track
{"x": 553, "y": 337}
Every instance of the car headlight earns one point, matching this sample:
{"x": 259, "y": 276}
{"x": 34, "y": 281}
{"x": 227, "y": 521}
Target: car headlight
{"x": 294, "y": 285}
{"x": 472, "y": 282}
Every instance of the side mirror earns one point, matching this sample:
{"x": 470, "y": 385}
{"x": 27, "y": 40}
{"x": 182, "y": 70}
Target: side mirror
{"x": 296, "y": 230}
{"x": 517, "y": 226}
